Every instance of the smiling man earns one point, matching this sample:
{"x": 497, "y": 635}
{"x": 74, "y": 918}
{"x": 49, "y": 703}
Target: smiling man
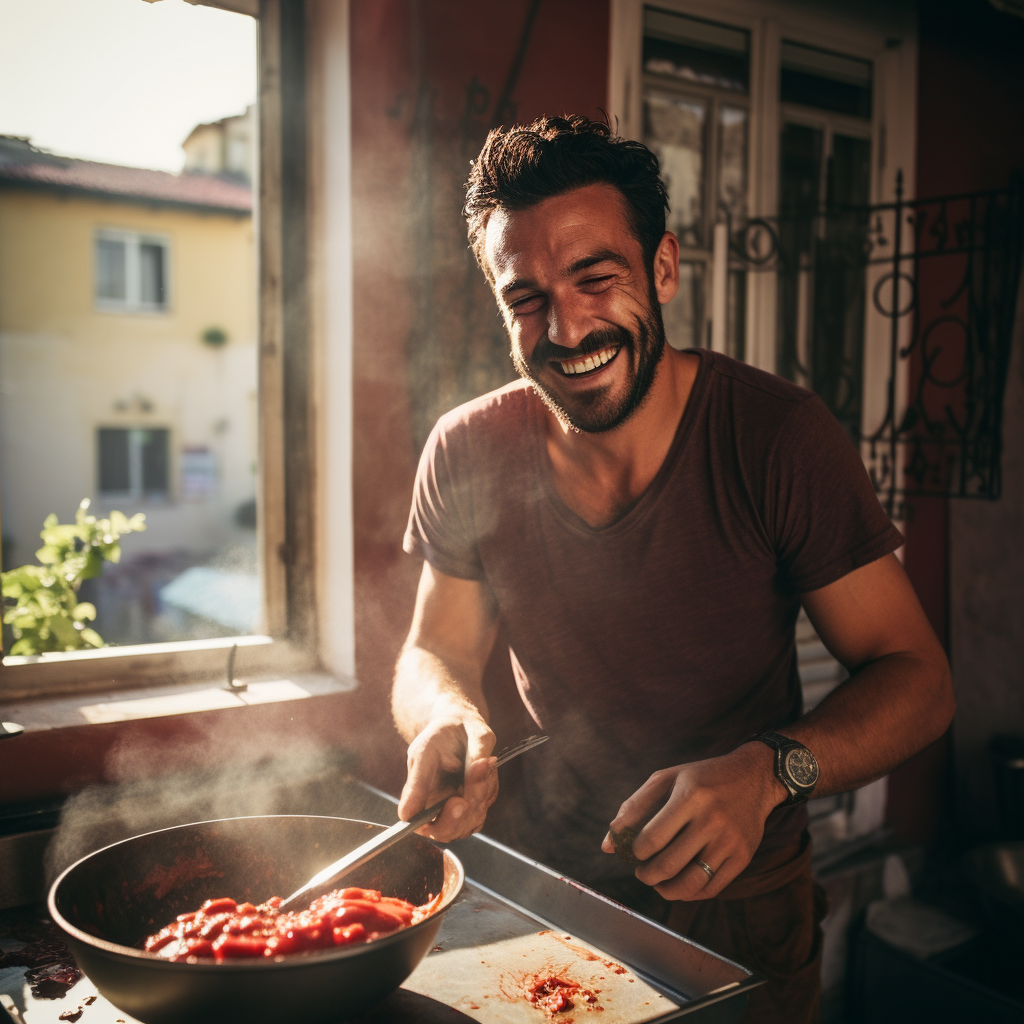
{"x": 646, "y": 523}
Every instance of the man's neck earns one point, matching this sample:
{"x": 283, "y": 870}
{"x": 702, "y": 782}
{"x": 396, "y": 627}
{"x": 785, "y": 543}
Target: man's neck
{"x": 602, "y": 476}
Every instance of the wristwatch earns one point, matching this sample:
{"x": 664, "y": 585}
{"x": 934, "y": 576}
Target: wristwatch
{"x": 795, "y": 766}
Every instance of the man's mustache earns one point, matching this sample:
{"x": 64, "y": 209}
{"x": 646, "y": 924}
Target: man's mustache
{"x": 546, "y": 351}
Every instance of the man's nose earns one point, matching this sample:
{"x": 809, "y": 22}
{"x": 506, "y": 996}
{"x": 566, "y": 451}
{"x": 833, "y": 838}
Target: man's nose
{"x": 567, "y": 322}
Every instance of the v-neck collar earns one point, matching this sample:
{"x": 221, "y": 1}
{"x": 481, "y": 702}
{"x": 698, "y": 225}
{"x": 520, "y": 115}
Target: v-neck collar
{"x": 684, "y": 428}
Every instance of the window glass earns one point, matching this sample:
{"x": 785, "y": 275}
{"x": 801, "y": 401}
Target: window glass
{"x": 736, "y": 336}
{"x": 128, "y": 303}
{"x": 695, "y": 119}
{"x": 153, "y": 452}
{"x": 684, "y": 315}
{"x": 732, "y": 160}
{"x": 674, "y": 129}
{"x": 696, "y": 50}
{"x": 111, "y": 269}
{"x": 151, "y": 274}
{"x": 802, "y": 156}
{"x": 803, "y": 149}
{"x": 826, "y": 81}
{"x": 115, "y": 475}
{"x": 825, "y": 181}
{"x": 850, "y": 171}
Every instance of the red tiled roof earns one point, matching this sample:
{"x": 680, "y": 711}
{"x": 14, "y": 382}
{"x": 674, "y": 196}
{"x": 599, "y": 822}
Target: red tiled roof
{"x": 21, "y": 163}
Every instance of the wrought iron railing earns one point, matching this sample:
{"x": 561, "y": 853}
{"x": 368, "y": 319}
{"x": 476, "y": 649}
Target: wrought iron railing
{"x": 930, "y": 285}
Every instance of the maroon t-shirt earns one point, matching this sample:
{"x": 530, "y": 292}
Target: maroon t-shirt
{"x": 668, "y": 636}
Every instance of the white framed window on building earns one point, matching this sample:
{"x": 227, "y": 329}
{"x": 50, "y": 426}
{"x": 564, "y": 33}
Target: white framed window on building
{"x": 133, "y": 462}
{"x": 132, "y": 271}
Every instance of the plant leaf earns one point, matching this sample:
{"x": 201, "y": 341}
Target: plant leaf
{"x": 118, "y": 523}
{"x": 91, "y": 637}
{"x": 93, "y": 564}
{"x": 64, "y": 631}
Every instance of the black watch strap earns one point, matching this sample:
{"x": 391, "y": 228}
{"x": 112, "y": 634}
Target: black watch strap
{"x": 795, "y": 766}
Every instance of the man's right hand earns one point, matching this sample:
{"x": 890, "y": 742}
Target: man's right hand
{"x": 439, "y": 705}
{"x": 452, "y": 755}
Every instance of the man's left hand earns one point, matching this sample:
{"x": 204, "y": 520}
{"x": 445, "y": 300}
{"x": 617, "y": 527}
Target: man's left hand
{"x": 709, "y": 811}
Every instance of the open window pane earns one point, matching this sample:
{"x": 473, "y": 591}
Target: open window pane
{"x": 128, "y": 310}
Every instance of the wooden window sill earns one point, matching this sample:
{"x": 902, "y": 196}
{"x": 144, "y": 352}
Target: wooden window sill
{"x": 75, "y": 740}
{"x": 96, "y": 707}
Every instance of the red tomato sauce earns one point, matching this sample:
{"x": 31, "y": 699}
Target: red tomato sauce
{"x": 222, "y": 929}
{"x": 554, "y": 995}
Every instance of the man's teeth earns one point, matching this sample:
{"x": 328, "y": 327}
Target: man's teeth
{"x": 590, "y": 362}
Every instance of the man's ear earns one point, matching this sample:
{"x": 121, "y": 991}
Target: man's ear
{"x": 666, "y": 268}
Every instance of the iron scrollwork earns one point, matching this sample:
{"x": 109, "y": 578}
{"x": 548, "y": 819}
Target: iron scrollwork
{"x": 935, "y": 281}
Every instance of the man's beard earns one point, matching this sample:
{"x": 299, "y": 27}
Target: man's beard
{"x": 597, "y": 412}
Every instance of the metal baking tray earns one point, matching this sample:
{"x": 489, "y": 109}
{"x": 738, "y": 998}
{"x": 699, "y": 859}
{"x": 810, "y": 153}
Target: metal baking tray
{"x": 518, "y": 921}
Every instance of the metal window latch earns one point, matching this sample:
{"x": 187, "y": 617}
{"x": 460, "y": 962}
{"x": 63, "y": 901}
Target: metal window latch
{"x": 234, "y": 685}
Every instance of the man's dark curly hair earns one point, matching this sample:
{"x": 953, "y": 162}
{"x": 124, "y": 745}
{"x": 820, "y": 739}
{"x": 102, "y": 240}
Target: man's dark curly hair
{"x": 521, "y": 165}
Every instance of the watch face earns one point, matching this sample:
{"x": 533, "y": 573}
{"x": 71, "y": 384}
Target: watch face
{"x": 802, "y": 767}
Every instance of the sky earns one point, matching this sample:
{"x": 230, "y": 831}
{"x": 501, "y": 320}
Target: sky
{"x": 121, "y": 81}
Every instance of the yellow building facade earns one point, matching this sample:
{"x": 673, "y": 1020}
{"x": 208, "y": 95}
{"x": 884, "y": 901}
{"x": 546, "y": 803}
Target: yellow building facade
{"x": 127, "y": 355}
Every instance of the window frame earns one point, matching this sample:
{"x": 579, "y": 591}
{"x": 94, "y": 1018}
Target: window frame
{"x": 714, "y": 98}
{"x": 888, "y": 40}
{"x": 133, "y": 242}
{"x": 137, "y": 492}
{"x": 288, "y": 641}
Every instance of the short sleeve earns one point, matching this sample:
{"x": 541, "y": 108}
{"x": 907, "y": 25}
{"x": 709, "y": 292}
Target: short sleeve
{"x": 822, "y": 511}
{"x": 440, "y": 527}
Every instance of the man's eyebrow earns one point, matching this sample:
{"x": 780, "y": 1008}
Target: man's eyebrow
{"x": 516, "y": 285}
{"x": 601, "y": 256}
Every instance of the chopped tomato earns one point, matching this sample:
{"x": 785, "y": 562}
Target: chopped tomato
{"x": 223, "y": 929}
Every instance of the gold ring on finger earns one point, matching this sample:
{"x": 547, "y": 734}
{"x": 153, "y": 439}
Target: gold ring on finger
{"x": 706, "y": 868}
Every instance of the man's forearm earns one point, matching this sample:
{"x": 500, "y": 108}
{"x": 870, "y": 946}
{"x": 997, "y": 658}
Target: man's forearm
{"x": 899, "y": 697}
{"x": 886, "y": 712}
{"x": 428, "y": 687}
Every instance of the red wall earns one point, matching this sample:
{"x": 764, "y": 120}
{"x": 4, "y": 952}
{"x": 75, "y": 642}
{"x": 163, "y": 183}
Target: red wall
{"x": 427, "y": 76}
{"x": 970, "y": 137}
